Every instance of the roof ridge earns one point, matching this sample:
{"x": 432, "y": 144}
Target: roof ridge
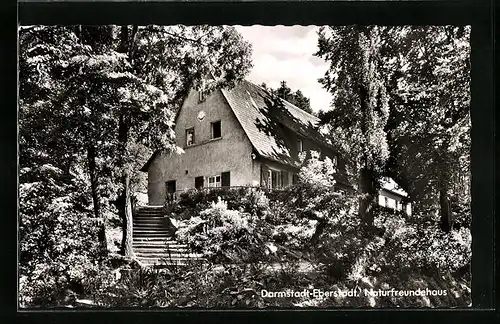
{"x": 294, "y": 106}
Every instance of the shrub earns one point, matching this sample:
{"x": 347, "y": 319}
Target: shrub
{"x": 223, "y": 234}
{"x": 246, "y": 199}
{"x": 58, "y": 236}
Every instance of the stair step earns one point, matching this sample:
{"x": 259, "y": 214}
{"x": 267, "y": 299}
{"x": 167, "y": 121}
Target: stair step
{"x": 152, "y": 236}
{"x": 151, "y": 226}
{"x": 149, "y": 215}
{"x": 150, "y": 206}
{"x": 142, "y": 229}
{"x": 166, "y": 264}
{"x": 151, "y": 220}
{"x": 169, "y": 256}
{"x": 154, "y": 240}
{"x": 152, "y": 232}
{"x": 159, "y": 247}
{"x": 147, "y": 212}
{"x": 152, "y": 261}
{"x": 165, "y": 254}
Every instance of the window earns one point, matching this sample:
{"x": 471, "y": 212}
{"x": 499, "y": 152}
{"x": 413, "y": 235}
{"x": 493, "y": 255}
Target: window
{"x": 295, "y": 178}
{"x": 274, "y": 179}
{"x": 386, "y": 201}
{"x": 214, "y": 181}
{"x": 216, "y": 129}
{"x": 299, "y": 146}
{"x": 190, "y": 136}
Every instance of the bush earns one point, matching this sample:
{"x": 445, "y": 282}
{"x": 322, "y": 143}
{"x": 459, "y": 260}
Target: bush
{"x": 246, "y": 199}
{"x": 58, "y": 235}
{"x": 223, "y": 234}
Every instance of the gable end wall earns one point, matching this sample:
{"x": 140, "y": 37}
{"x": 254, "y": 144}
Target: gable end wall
{"x": 207, "y": 157}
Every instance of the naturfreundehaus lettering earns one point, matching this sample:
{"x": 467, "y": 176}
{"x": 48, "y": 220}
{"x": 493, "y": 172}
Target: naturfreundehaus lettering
{"x": 318, "y": 293}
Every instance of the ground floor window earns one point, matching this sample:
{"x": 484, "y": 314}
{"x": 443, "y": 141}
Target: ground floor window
{"x": 214, "y": 181}
{"x": 218, "y": 180}
{"x": 272, "y": 179}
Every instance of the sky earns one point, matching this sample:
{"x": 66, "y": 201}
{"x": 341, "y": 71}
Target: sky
{"x": 286, "y": 53}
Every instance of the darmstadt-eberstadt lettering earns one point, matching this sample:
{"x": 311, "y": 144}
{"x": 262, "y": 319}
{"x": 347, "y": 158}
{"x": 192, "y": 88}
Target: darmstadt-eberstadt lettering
{"x": 355, "y": 292}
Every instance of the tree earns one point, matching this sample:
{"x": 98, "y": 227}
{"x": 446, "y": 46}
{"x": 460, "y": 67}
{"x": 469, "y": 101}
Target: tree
{"x": 296, "y": 98}
{"x": 52, "y": 129}
{"x": 302, "y": 101}
{"x": 428, "y": 70}
{"x": 360, "y": 104}
{"x": 112, "y": 87}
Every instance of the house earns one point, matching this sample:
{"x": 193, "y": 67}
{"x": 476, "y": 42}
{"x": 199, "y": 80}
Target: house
{"x": 243, "y": 136}
{"x": 392, "y": 196}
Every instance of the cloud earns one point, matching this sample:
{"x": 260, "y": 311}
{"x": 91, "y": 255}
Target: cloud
{"x": 286, "y": 53}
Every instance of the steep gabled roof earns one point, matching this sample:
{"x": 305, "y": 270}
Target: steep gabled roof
{"x": 263, "y": 118}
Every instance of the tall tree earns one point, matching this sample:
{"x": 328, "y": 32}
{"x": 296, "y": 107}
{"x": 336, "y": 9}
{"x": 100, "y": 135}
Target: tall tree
{"x": 428, "y": 69}
{"x": 359, "y": 111}
{"x": 122, "y": 86}
{"x": 297, "y": 98}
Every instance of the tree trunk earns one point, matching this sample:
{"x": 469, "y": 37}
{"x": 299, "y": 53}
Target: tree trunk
{"x": 125, "y": 211}
{"x": 124, "y": 203}
{"x": 368, "y": 193}
{"x": 91, "y": 157}
{"x": 446, "y": 215}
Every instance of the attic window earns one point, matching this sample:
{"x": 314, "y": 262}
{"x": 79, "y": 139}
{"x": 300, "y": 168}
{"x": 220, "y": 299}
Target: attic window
{"x": 190, "y": 137}
{"x": 216, "y": 129}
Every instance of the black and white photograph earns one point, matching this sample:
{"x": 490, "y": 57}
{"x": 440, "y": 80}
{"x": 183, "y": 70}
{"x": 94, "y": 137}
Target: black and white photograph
{"x": 244, "y": 167}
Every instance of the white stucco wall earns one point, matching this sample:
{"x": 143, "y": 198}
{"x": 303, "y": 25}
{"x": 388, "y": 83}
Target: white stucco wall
{"x": 232, "y": 152}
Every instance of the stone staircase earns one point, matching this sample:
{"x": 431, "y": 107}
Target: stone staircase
{"x": 154, "y": 243}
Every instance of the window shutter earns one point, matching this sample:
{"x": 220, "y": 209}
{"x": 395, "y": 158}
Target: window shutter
{"x": 198, "y": 182}
{"x": 226, "y": 179}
